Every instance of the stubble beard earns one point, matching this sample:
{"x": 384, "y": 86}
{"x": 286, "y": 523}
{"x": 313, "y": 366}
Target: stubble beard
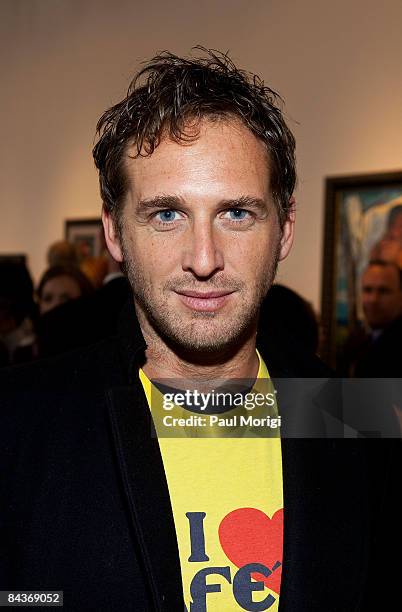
{"x": 203, "y": 332}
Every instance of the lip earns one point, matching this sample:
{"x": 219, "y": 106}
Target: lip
{"x": 204, "y": 295}
{"x": 208, "y": 301}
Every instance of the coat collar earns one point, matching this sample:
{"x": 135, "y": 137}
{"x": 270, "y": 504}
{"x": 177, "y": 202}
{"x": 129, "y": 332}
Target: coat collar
{"x": 324, "y": 506}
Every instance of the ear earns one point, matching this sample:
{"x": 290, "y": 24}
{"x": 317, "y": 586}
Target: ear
{"x": 288, "y": 230}
{"x": 111, "y": 236}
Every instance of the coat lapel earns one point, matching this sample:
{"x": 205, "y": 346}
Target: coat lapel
{"x": 325, "y": 501}
{"x": 325, "y": 525}
{"x": 147, "y": 495}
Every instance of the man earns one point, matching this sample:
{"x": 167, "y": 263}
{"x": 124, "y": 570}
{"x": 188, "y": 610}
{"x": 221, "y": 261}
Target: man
{"x": 381, "y": 295}
{"x": 376, "y": 352}
{"x": 197, "y": 174}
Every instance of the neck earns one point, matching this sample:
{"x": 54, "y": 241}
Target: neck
{"x": 164, "y": 360}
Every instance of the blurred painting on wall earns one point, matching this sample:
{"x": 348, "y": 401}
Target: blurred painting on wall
{"x": 363, "y": 221}
{"x": 86, "y": 235}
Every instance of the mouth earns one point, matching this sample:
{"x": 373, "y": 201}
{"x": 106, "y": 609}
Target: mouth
{"x": 208, "y": 301}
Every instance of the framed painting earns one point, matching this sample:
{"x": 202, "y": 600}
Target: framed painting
{"x": 86, "y": 235}
{"x": 363, "y": 222}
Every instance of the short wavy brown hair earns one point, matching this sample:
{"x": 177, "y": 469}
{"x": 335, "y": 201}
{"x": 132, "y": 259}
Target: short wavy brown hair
{"x": 171, "y": 91}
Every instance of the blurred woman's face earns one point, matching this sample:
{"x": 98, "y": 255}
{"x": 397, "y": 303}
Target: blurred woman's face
{"x": 57, "y": 291}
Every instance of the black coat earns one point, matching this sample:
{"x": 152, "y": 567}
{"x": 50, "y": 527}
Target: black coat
{"x": 83, "y": 321}
{"x": 383, "y": 357}
{"x": 85, "y": 505}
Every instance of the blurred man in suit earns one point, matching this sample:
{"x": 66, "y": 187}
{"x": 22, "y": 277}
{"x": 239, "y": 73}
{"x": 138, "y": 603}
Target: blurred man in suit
{"x": 381, "y": 296}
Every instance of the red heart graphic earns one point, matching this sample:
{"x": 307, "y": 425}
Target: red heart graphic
{"x": 248, "y": 535}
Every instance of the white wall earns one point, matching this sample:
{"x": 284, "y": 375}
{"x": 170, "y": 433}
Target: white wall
{"x": 62, "y": 62}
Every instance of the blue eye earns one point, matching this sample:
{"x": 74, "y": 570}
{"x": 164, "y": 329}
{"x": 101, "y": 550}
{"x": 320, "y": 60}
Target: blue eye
{"x": 238, "y": 214}
{"x": 167, "y": 215}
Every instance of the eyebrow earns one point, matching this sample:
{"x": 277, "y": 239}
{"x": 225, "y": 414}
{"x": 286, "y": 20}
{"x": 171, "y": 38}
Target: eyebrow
{"x": 161, "y": 202}
{"x": 165, "y": 201}
{"x": 376, "y": 288}
{"x": 245, "y": 202}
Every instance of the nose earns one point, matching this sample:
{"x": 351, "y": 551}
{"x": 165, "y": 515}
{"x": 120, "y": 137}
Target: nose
{"x": 374, "y": 297}
{"x": 202, "y": 256}
{"x": 371, "y": 302}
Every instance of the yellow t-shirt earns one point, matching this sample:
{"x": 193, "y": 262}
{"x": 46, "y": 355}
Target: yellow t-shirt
{"x": 227, "y": 501}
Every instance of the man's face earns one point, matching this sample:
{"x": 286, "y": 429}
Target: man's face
{"x": 381, "y": 295}
{"x": 201, "y": 237}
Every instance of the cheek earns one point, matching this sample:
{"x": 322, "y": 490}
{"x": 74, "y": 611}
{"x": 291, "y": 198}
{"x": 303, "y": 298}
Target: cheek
{"x": 261, "y": 255}
{"x": 74, "y": 294}
{"x": 151, "y": 258}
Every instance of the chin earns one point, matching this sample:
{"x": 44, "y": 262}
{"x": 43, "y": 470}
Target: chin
{"x": 203, "y": 333}
{"x": 205, "y": 338}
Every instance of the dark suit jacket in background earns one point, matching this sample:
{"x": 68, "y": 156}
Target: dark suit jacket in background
{"x": 85, "y": 505}
{"x": 383, "y": 357}
{"x": 83, "y": 321}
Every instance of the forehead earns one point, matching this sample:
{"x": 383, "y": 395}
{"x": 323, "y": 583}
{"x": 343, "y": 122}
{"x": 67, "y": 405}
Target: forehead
{"x": 381, "y": 276}
{"x": 224, "y": 156}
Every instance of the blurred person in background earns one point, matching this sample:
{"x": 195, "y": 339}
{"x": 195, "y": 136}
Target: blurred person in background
{"x": 17, "y": 308}
{"x": 62, "y": 253}
{"x": 382, "y": 307}
{"x": 374, "y": 348}
{"x": 88, "y": 319}
{"x": 60, "y": 284}
{"x": 95, "y": 268}
{"x": 57, "y": 286}
{"x": 284, "y": 307}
